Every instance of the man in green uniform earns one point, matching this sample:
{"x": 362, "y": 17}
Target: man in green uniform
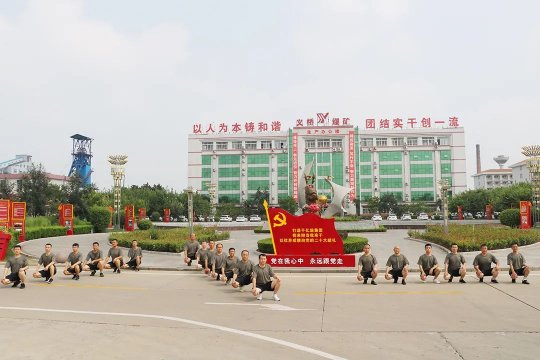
{"x": 264, "y": 279}
{"x": 429, "y": 265}
{"x": 210, "y": 256}
{"x": 18, "y": 264}
{"x": 367, "y": 266}
{"x": 230, "y": 264}
{"x": 49, "y": 269}
{"x": 201, "y": 254}
{"x": 518, "y": 266}
{"x": 190, "y": 250}
{"x": 218, "y": 263}
{"x": 482, "y": 264}
{"x": 117, "y": 258}
{"x": 397, "y": 266}
{"x": 243, "y": 271}
{"x": 74, "y": 262}
{"x": 135, "y": 256}
{"x": 454, "y": 265}
{"x": 94, "y": 260}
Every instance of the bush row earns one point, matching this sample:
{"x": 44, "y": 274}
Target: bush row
{"x": 51, "y": 231}
{"x": 470, "y": 237}
{"x": 351, "y": 245}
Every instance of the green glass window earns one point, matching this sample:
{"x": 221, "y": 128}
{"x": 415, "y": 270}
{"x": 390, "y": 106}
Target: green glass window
{"x": 283, "y": 158}
{"x": 283, "y": 184}
{"x": 366, "y": 196}
{"x": 258, "y": 184}
{"x": 446, "y": 168}
{"x": 446, "y": 155}
{"x": 229, "y": 160}
{"x": 365, "y": 183}
{"x": 258, "y": 159}
{"x": 323, "y": 185}
{"x": 206, "y": 160}
{"x": 309, "y": 157}
{"x": 421, "y": 155}
{"x": 389, "y": 156}
{"x": 365, "y": 156}
{"x": 225, "y": 185}
{"x": 422, "y": 196}
{"x": 398, "y": 195}
{"x": 365, "y": 169}
{"x": 422, "y": 182}
{"x": 229, "y": 172}
{"x": 323, "y": 170}
{"x": 206, "y": 173}
{"x": 390, "y": 169}
{"x": 283, "y": 171}
{"x": 422, "y": 169}
{"x": 448, "y": 180}
{"x": 229, "y": 198}
{"x": 323, "y": 157}
{"x": 391, "y": 183}
{"x": 258, "y": 172}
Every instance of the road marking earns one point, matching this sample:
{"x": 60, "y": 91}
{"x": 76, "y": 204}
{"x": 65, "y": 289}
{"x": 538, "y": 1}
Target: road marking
{"x": 301, "y": 293}
{"x": 93, "y": 287}
{"x": 191, "y": 322}
{"x": 275, "y": 307}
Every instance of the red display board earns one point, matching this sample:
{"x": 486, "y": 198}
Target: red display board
{"x": 489, "y": 212}
{"x": 4, "y": 244}
{"x": 65, "y": 212}
{"x": 525, "y": 215}
{"x": 18, "y": 218}
{"x": 5, "y": 214}
{"x": 460, "y": 213}
{"x": 306, "y": 240}
{"x": 129, "y": 219}
{"x": 142, "y": 213}
{"x": 166, "y": 215}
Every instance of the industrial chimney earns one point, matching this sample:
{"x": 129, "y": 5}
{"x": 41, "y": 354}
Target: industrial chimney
{"x": 478, "y": 164}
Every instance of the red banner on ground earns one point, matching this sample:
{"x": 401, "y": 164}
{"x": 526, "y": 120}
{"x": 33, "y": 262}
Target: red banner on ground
{"x": 311, "y": 260}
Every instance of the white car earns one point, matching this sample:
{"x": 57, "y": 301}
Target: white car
{"x": 406, "y": 217}
{"x": 376, "y": 217}
{"x": 254, "y": 218}
{"x": 225, "y": 218}
{"x": 241, "y": 218}
{"x": 422, "y": 216}
{"x": 391, "y": 217}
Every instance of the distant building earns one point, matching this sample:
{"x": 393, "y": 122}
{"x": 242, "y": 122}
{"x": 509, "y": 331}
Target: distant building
{"x": 16, "y": 179}
{"x": 520, "y": 172}
{"x": 493, "y": 178}
{"x": 19, "y": 165}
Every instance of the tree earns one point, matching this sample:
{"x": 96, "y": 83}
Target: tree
{"x": 387, "y": 202}
{"x": 373, "y": 204}
{"x": 288, "y": 204}
{"x": 7, "y": 190}
{"x": 35, "y": 191}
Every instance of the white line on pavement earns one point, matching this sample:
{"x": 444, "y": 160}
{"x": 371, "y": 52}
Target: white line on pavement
{"x": 275, "y": 307}
{"x": 191, "y": 322}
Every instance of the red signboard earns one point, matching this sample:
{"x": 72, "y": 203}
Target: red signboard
{"x": 525, "y": 215}
{"x": 460, "y": 213}
{"x": 142, "y": 213}
{"x": 307, "y": 234}
{"x": 489, "y": 212}
{"x": 352, "y": 166}
{"x": 295, "y": 165}
{"x": 66, "y": 217}
{"x": 5, "y": 214}
{"x": 129, "y": 220}
{"x": 18, "y": 218}
{"x": 166, "y": 215}
{"x": 311, "y": 260}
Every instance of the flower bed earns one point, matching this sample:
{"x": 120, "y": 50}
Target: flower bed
{"x": 351, "y": 245}
{"x": 470, "y": 237}
{"x": 166, "y": 240}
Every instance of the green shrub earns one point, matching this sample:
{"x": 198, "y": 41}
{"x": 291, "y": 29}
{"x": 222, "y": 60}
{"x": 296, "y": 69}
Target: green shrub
{"x": 154, "y": 234}
{"x": 155, "y": 216}
{"x": 82, "y": 229}
{"x": 144, "y": 224}
{"x": 351, "y": 245}
{"x": 99, "y": 217}
{"x": 470, "y": 237}
{"x": 510, "y": 217}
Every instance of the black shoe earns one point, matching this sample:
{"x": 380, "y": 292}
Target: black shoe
{"x": 403, "y": 282}
{"x": 50, "y": 281}
{"x": 23, "y": 286}
{"x": 373, "y": 282}
{"x": 101, "y": 274}
{"x": 513, "y": 281}
{"x": 525, "y": 282}
{"x": 494, "y": 281}
{"x": 76, "y": 277}
{"x": 118, "y": 271}
{"x": 462, "y": 281}
{"x": 481, "y": 279}
{"x": 114, "y": 270}
{"x": 15, "y": 284}
{"x": 451, "y": 278}
{"x": 93, "y": 273}
{"x": 395, "y": 280}
{"x": 365, "y": 281}
{"x": 189, "y": 263}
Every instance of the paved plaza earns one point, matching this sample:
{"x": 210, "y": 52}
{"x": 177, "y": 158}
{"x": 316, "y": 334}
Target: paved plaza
{"x": 183, "y": 314}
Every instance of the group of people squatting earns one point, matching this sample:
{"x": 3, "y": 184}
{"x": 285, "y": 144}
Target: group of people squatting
{"x": 485, "y": 264}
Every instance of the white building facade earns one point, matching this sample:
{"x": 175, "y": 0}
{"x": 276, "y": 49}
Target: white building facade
{"x": 493, "y": 178}
{"x": 520, "y": 172}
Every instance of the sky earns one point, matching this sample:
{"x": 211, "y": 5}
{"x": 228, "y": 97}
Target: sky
{"x": 136, "y": 75}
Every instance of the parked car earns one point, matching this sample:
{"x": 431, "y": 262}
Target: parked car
{"x": 182, "y": 218}
{"x": 479, "y": 215}
{"x": 422, "y": 216}
{"x": 254, "y": 218}
{"x": 241, "y": 218}
{"x": 201, "y": 218}
{"x": 392, "y": 217}
{"x": 376, "y": 217}
{"x": 225, "y": 218}
{"x": 406, "y": 217}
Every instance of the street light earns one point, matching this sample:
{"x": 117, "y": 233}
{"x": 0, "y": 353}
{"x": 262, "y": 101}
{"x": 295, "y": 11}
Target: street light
{"x": 212, "y": 195}
{"x": 533, "y": 163}
{"x": 444, "y": 186}
{"x": 189, "y": 192}
{"x": 118, "y": 173}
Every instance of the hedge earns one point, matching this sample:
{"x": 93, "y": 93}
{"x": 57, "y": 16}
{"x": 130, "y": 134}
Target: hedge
{"x": 351, "y": 245}
{"x": 52, "y": 231}
{"x": 470, "y": 237}
{"x": 144, "y": 224}
{"x": 99, "y": 217}
{"x": 166, "y": 240}
{"x": 510, "y": 217}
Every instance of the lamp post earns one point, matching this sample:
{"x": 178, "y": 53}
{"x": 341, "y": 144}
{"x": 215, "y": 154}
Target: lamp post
{"x": 118, "y": 173}
{"x": 444, "y": 186}
{"x": 533, "y": 163}
{"x": 189, "y": 192}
